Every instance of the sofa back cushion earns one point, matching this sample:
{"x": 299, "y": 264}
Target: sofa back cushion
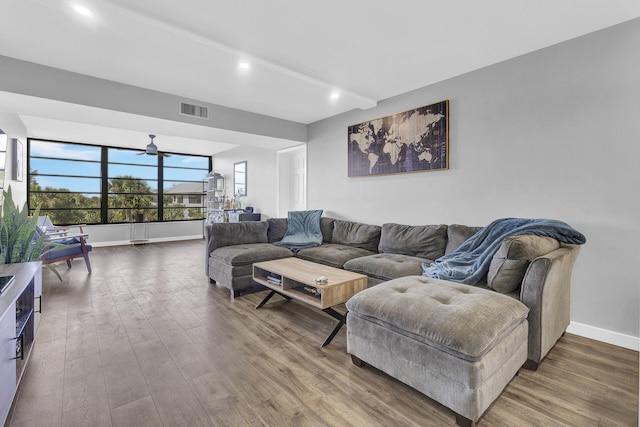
{"x": 457, "y": 234}
{"x": 356, "y": 234}
{"x": 236, "y": 233}
{"x": 277, "y": 229}
{"x": 510, "y": 263}
{"x": 423, "y": 241}
{"x": 326, "y": 226}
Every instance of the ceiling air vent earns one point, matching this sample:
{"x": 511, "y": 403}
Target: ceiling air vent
{"x": 194, "y": 110}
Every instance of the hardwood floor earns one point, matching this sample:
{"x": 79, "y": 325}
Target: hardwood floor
{"x": 147, "y": 341}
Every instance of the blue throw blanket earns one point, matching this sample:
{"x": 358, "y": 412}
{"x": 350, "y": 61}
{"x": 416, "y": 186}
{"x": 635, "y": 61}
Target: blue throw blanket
{"x": 470, "y": 262}
{"x": 303, "y": 230}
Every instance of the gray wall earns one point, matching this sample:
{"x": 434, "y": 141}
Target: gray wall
{"x": 551, "y": 134}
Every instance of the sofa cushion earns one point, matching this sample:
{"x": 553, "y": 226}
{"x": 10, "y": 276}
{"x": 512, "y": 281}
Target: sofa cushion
{"x": 457, "y": 234}
{"x": 387, "y": 266}
{"x": 66, "y": 250}
{"x": 225, "y": 234}
{"x": 277, "y": 229}
{"x": 423, "y": 241}
{"x": 326, "y": 226}
{"x": 356, "y": 234}
{"x": 250, "y": 253}
{"x": 509, "y": 265}
{"x": 332, "y": 254}
{"x": 458, "y": 319}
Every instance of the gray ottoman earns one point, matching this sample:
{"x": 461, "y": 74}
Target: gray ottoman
{"x": 458, "y": 344}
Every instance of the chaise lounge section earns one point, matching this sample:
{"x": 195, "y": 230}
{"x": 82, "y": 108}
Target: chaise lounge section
{"x": 458, "y": 344}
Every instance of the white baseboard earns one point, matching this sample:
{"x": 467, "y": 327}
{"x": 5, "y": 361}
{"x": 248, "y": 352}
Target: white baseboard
{"x": 175, "y": 239}
{"x": 110, "y": 243}
{"x": 610, "y": 337}
{"x": 154, "y": 240}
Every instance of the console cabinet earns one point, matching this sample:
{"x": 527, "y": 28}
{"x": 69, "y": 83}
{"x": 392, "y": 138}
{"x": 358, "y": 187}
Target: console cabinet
{"x": 20, "y": 306}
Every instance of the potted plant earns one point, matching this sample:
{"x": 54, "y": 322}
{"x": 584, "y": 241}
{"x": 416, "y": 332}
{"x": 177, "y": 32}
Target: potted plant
{"x": 20, "y": 239}
{"x": 138, "y": 204}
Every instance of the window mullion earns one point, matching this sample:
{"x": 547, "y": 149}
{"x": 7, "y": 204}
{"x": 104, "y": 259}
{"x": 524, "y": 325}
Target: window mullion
{"x": 104, "y": 185}
{"x": 160, "y": 187}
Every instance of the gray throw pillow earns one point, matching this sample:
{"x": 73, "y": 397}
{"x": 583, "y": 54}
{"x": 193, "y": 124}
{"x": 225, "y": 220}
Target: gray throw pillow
{"x": 510, "y": 263}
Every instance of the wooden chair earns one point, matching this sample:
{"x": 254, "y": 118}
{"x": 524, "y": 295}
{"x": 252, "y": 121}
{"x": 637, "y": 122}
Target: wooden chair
{"x": 63, "y": 245}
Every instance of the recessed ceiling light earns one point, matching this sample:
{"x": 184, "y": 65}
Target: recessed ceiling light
{"x": 335, "y": 95}
{"x": 82, "y": 10}
{"x": 244, "y": 65}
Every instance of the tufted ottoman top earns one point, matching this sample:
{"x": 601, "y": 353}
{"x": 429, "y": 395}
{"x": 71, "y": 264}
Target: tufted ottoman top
{"x": 455, "y": 318}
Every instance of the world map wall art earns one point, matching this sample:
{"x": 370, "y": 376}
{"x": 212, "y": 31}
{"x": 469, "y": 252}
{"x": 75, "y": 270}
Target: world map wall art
{"x": 412, "y": 141}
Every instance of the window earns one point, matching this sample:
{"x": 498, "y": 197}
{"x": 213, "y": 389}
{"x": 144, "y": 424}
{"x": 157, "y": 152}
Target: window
{"x": 65, "y": 180}
{"x": 78, "y": 183}
{"x": 133, "y": 185}
{"x": 183, "y": 189}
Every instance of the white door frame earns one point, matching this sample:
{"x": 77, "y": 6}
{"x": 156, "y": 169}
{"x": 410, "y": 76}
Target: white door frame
{"x": 292, "y": 177}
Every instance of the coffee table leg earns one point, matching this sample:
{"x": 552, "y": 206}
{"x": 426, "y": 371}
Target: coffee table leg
{"x": 341, "y": 320}
{"x": 267, "y": 298}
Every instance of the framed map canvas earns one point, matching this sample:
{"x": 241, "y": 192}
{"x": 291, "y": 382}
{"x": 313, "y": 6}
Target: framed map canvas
{"x": 412, "y": 141}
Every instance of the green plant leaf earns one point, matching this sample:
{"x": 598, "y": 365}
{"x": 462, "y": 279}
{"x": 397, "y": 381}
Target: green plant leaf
{"x": 20, "y": 239}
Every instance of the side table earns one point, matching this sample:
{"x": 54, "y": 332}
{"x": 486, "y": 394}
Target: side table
{"x": 139, "y": 232}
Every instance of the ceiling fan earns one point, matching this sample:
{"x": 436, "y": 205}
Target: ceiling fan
{"x": 152, "y": 149}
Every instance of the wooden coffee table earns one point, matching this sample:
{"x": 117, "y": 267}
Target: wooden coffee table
{"x": 294, "y": 278}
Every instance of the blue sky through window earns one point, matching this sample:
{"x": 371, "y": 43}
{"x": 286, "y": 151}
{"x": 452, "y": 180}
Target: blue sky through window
{"x": 76, "y": 160}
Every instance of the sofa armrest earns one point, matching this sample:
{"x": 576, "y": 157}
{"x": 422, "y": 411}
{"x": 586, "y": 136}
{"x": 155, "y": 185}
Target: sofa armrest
{"x": 218, "y": 235}
{"x": 546, "y": 290}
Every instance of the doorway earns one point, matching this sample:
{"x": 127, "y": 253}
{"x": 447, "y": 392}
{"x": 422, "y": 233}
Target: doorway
{"x": 292, "y": 180}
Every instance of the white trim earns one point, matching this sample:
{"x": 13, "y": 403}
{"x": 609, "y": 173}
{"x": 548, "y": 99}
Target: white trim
{"x": 154, "y": 240}
{"x": 175, "y": 238}
{"x": 283, "y": 178}
{"x": 610, "y": 337}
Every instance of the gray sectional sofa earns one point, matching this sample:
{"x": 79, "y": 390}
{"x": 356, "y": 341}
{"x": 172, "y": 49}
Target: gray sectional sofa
{"x": 535, "y": 270}
{"x": 458, "y": 344}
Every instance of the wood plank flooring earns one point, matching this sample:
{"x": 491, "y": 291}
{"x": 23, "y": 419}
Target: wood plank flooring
{"x": 147, "y": 341}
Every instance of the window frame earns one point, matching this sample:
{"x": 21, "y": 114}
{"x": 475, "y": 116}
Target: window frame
{"x": 104, "y": 192}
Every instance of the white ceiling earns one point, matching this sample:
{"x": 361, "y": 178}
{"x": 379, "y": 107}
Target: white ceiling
{"x": 299, "y": 51}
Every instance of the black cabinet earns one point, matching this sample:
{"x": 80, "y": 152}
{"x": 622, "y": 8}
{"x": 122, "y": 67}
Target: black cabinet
{"x": 243, "y": 216}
